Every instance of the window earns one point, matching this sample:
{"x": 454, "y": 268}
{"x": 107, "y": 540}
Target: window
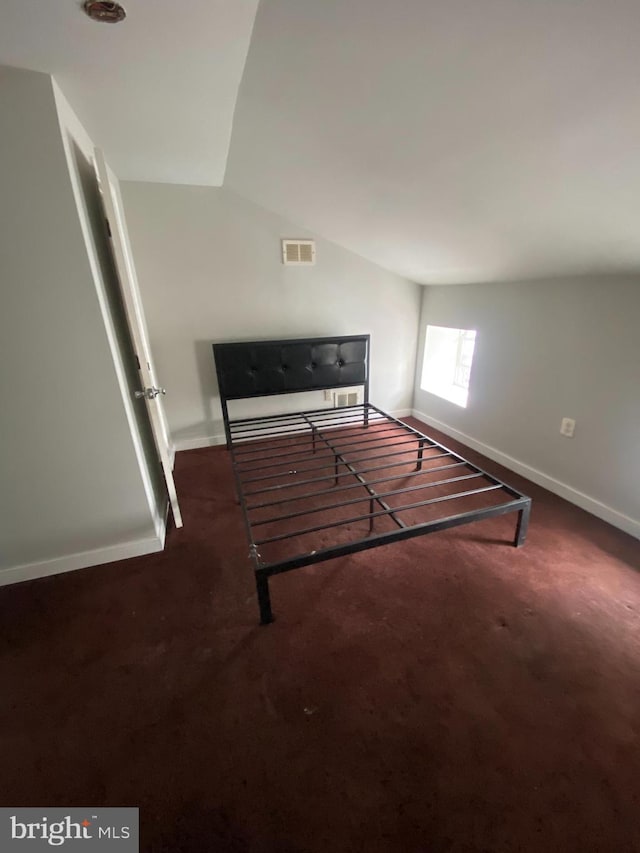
{"x": 448, "y": 355}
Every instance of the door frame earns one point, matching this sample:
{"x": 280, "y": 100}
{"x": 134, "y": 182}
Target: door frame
{"x": 116, "y": 228}
{"x": 73, "y": 134}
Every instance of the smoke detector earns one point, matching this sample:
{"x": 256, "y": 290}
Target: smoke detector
{"x": 106, "y": 13}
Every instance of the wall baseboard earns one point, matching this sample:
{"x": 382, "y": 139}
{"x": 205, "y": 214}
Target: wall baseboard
{"x": 81, "y": 560}
{"x": 213, "y": 440}
{"x": 198, "y": 441}
{"x": 595, "y": 507}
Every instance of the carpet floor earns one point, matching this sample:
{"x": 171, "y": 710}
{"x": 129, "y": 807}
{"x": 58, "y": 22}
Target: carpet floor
{"x": 448, "y": 693}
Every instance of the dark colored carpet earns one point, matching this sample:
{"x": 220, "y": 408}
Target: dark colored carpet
{"x": 450, "y": 693}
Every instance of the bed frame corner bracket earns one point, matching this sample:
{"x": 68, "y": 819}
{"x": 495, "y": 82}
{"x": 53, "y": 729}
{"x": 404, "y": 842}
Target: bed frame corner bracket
{"x": 523, "y": 525}
{"x": 264, "y": 598}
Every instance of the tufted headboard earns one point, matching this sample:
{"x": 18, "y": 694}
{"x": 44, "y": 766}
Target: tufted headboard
{"x": 264, "y": 368}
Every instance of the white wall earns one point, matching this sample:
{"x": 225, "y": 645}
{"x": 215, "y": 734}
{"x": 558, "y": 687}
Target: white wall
{"x": 544, "y": 351}
{"x": 72, "y": 492}
{"x": 210, "y": 270}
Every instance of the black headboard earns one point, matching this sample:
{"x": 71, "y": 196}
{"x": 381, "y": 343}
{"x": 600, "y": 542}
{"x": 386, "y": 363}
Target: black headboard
{"x": 263, "y": 368}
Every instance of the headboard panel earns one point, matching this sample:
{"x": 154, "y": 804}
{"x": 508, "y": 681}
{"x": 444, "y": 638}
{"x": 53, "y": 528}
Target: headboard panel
{"x": 264, "y": 368}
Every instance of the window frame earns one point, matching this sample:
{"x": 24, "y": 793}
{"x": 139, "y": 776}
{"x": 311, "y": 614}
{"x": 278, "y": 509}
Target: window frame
{"x": 450, "y": 356}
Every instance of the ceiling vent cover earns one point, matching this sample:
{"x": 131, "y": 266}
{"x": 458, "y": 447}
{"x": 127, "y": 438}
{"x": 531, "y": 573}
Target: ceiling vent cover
{"x": 298, "y": 252}
{"x": 107, "y": 13}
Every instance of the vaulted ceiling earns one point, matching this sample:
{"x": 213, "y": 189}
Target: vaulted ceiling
{"x": 465, "y": 140}
{"x": 450, "y": 141}
{"x": 157, "y": 92}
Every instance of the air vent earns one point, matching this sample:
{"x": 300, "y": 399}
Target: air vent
{"x": 341, "y": 399}
{"x": 298, "y": 252}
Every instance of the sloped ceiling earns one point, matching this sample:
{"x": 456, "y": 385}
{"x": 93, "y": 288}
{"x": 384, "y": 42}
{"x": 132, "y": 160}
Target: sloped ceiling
{"x": 446, "y": 140}
{"x": 454, "y": 141}
{"x": 157, "y": 91}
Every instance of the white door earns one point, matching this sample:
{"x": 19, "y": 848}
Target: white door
{"x": 149, "y": 393}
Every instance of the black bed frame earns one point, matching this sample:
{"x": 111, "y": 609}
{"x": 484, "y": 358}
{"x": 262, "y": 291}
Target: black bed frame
{"x": 265, "y": 368}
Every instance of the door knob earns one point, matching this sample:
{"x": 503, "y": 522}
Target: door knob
{"x": 150, "y": 393}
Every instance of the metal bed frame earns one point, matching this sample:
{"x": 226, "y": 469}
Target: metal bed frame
{"x": 289, "y": 467}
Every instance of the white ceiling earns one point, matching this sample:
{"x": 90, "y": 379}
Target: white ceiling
{"x": 449, "y": 141}
{"x": 157, "y": 91}
{"x": 455, "y": 141}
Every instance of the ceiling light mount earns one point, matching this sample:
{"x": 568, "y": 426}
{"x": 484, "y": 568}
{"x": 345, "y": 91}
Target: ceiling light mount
{"x": 106, "y": 13}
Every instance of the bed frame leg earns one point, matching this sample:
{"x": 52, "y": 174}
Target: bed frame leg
{"x": 264, "y": 599}
{"x": 420, "y": 452}
{"x": 522, "y": 526}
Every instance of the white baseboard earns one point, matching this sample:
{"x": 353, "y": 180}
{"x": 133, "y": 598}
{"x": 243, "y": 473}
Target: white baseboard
{"x": 198, "y": 441}
{"x": 81, "y": 560}
{"x": 595, "y": 507}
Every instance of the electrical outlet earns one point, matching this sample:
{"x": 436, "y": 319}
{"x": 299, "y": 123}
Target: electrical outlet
{"x": 328, "y": 396}
{"x": 567, "y": 427}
